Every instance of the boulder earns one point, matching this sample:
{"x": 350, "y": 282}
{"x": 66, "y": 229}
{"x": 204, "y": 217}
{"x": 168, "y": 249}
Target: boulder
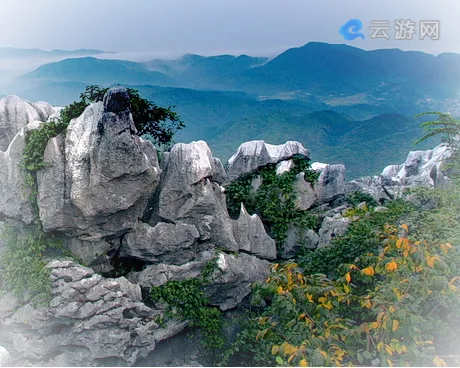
{"x": 331, "y": 228}
{"x": 297, "y": 239}
{"x": 254, "y": 154}
{"x": 101, "y": 174}
{"x": 306, "y": 196}
{"x": 331, "y": 181}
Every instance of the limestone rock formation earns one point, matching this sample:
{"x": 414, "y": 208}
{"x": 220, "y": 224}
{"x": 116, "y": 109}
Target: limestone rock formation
{"x": 332, "y": 227}
{"x": 15, "y": 114}
{"x": 91, "y": 321}
{"x": 188, "y": 194}
{"x": 331, "y": 182}
{"x": 101, "y": 174}
{"x": 254, "y": 154}
{"x": 421, "y": 168}
{"x": 14, "y": 194}
{"x": 165, "y": 242}
{"x": 251, "y": 236}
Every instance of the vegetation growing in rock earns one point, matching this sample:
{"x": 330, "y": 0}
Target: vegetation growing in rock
{"x": 386, "y": 293}
{"x": 186, "y": 300}
{"x": 22, "y": 265}
{"x": 274, "y": 200}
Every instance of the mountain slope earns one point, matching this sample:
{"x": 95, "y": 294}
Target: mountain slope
{"x": 97, "y": 71}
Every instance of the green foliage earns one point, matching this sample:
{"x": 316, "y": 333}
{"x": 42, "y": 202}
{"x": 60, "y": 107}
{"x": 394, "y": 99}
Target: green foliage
{"x": 186, "y": 300}
{"x": 445, "y": 126}
{"x": 357, "y": 197}
{"x": 274, "y": 200}
{"x": 360, "y": 238}
{"x": 23, "y": 271}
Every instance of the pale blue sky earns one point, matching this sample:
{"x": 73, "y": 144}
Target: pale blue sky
{"x": 174, "y": 27}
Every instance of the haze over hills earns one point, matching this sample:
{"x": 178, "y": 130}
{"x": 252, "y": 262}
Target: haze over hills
{"x": 14, "y": 53}
{"x": 340, "y": 101}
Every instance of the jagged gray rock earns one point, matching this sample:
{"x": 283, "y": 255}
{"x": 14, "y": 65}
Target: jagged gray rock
{"x": 230, "y": 283}
{"x": 306, "y": 196}
{"x": 331, "y": 228}
{"x": 15, "y": 114}
{"x": 188, "y": 194}
{"x": 14, "y": 194}
{"x": 297, "y": 239}
{"x": 170, "y": 243}
{"x": 90, "y": 321}
{"x": 421, "y": 168}
{"x": 84, "y": 192}
{"x": 331, "y": 182}
{"x": 251, "y": 236}
{"x": 254, "y": 154}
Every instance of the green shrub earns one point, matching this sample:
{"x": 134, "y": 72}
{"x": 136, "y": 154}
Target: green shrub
{"x": 23, "y": 272}
{"x": 274, "y": 201}
{"x": 186, "y": 301}
{"x": 360, "y": 238}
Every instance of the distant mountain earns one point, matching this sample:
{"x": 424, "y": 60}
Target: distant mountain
{"x": 97, "y": 71}
{"x": 365, "y": 147}
{"x": 16, "y": 53}
{"x": 323, "y": 68}
{"x": 213, "y": 72}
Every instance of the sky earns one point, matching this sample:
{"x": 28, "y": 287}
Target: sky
{"x": 169, "y": 28}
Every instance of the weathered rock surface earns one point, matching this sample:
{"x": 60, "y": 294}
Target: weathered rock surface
{"x": 90, "y": 321}
{"x": 14, "y": 194}
{"x": 188, "y": 194}
{"x": 306, "y": 196}
{"x": 170, "y": 243}
{"x": 15, "y": 114}
{"x": 254, "y": 154}
{"x": 4, "y": 357}
{"x": 251, "y": 236}
{"x": 101, "y": 174}
{"x": 331, "y": 182}
{"x": 230, "y": 284}
{"x": 297, "y": 239}
{"x": 421, "y": 168}
{"x": 331, "y": 228}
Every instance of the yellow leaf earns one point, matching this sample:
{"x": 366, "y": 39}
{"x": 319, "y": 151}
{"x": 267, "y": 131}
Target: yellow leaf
{"x": 303, "y": 363}
{"x": 367, "y": 304}
{"x": 391, "y": 309}
{"x": 291, "y": 357}
{"x": 346, "y": 288}
{"x": 328, "y": 305}
{"x": 399, "y": 243}
{"x": 429, "y": 342}
{"x": 391, "y": 266}
{"x": 389, "y": 350}
{"x": 380, "y": 346}
{"x": 275, "y": 267}
{"x": 395, "y": 325}
{"x": 275, "y": 349}
{"x": 369, "y": 271}
{"x": 279, "y": 290}
{"x": 348, "y": 277}
{"x": 430, "y": 260}
{"x": 439, "y": 362}
{"x": 323, "y": 353}
{"x": 302, "y": 315}
{"x": 390, "y": 363}
{"x": 405, "y": 227}
{"x": 353, "y": 267}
